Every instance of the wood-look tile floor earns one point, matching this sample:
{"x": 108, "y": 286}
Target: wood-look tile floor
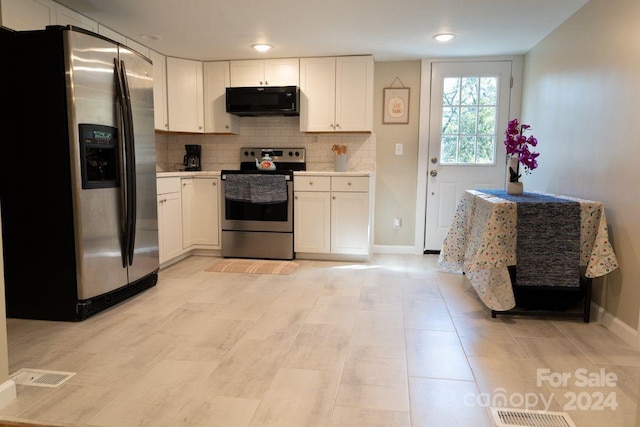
{"x": 392, "y": 342}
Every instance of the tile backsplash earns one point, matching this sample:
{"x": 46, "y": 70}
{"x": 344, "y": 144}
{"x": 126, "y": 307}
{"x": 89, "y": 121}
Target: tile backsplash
{"x": 223, "y": 151}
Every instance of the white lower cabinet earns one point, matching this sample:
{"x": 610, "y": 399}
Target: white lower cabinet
{"x": 350, "y": 223}
{"x": 200, "y": 213}
{"x": 169, "y": 218}
{"x": 312, "y": 219}
{"x": 332, "y": 215}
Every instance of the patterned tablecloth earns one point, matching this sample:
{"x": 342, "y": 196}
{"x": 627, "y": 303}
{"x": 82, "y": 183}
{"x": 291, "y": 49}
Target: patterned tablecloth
{"x": 482, "y": 239}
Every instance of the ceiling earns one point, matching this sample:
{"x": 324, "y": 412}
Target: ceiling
{"x": 391, "y": 30}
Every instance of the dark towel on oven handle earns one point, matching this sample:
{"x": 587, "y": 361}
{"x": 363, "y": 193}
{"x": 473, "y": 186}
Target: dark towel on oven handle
{"x": 256, "y": 188}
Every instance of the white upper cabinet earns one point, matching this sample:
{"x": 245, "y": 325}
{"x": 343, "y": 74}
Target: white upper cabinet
{"x": 22, "y": 15}
{"x": 317, "y": 94}
{"x": 109, "y": 33}
{"x": 140, "y": 48}
{"x": 216, "y": 81}
{"x": 354, "y": 94}
{"x": 185, "y": 95}
{"x": 267, "y": 72}
{"x": 66, "y": 16}
{"x": 336, "y": 94}
{"x": 160, "y": 114}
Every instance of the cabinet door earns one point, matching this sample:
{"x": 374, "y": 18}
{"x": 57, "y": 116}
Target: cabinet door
{"x": 247, "y": 73}
{"x": 185, "y": 95}
{"x": 159, "y": 91}
{"x": 312, "y": 222}
{"x": 23, "y": 15}
{"x": 66, "y": 16}
{"x": 354, "y": 94}
{"x": 205, "y": 214}
{"x": 138, "y": 47}
{"x": 110, "y": 34}
{"x": 282, "y": 72}
{"x": 350, "y": 223}
{"x": 216, "y": 81}
{"x": 188, "y": 225}
{"x": 317, "y": 94}
{"x": 169, "y": 226}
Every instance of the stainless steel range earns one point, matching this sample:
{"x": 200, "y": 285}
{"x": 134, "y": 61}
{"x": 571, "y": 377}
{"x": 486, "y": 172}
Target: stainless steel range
{"x": 257, "y": 204}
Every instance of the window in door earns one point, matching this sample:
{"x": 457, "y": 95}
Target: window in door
{"x": 469, "y": 114}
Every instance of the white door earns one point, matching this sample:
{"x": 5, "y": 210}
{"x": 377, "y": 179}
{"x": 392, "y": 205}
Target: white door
{"x": 469, "y": 114}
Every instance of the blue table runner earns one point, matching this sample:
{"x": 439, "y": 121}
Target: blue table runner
{"x": 548, "y": 239}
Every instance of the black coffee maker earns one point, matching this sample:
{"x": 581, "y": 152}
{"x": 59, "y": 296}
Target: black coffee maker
{"x": 192, "y": 158}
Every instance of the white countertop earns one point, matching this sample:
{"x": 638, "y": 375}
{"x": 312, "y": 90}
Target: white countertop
{"x": 185, "y": 174}
{"x": 217, "y": 173}
{"x": 331, "y": 173}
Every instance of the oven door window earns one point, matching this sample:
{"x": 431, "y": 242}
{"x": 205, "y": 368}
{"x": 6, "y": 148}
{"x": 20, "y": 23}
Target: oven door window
{"x": 247, "y": 211}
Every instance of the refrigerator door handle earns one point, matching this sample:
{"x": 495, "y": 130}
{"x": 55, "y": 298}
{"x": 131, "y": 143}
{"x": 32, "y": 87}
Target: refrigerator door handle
{"x": 130, "y": 170}
{"x": 124, "y": 212}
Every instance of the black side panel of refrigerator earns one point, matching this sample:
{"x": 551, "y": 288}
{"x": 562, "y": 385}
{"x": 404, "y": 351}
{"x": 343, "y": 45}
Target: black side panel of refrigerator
{"x": 35, "y": 179}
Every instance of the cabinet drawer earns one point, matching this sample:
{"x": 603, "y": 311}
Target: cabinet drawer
{"x": 312, "y": 183}
{"x": 350, "y": 183}
{"x": 168, "y": 185}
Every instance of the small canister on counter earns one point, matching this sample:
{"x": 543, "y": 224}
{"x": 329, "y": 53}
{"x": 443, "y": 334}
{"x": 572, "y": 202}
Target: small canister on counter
{"x": 340, "y": 158}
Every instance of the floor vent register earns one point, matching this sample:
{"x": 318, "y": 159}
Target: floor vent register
{"x": 505, "y": 417}
{"x": 40, "y": 377}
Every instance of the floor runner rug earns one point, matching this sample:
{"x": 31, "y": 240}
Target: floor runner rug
{"x": 253, "y": 266}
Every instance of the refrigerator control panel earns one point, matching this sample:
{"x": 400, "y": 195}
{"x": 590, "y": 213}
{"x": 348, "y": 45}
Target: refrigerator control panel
{"x": 99, "y": 156}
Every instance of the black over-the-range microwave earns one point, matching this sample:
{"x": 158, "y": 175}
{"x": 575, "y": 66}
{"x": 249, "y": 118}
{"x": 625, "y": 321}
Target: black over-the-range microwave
{"x": 264, "y": 101}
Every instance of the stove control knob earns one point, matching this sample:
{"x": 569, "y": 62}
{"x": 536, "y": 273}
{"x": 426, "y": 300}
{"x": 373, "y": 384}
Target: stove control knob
{"x": 297, "y": 154}
{"x": 246, "y": 153}
{"x": 253, "y": 153}
{"x": 290, "y": 153}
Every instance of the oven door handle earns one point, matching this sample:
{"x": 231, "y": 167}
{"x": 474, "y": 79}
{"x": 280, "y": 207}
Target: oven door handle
{"x": 223, "y": 177}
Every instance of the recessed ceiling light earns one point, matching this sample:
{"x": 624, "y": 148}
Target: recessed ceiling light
{"x": 444, "y": 37}
{"x": 150, "y": 37}
{"x": 261, "y": 47}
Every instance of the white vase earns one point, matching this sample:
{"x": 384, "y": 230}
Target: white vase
{"x": 513, "y": 187}
{"x": 340, "y": 164}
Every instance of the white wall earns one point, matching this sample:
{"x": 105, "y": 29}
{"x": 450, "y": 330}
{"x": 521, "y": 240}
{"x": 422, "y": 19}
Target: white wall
{"x": 396, "y": 176}
{"x": 582, "y": 99}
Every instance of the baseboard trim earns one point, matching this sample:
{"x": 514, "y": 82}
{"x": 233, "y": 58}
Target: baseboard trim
{"x": 389, "y": 249}
{"x": 7, "y": 393}
{"x": 615, "y": 325}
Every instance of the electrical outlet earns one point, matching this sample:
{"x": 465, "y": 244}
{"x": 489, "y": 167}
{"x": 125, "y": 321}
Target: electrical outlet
{"x": 397, "y": 223}
{"x": 399, "y": 149}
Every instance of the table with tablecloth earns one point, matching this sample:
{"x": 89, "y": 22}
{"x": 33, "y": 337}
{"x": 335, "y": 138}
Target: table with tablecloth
{"x": 482, "y": 240}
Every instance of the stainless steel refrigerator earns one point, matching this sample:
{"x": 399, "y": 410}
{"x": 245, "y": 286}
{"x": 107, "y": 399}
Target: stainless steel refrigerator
{"x": 77, "y": 178}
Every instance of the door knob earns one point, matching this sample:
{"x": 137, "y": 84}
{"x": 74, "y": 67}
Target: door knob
{"x": 433, "y": 172}
{"x": 434, "y": 160}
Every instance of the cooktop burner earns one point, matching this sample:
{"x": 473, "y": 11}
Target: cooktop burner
{"x": 285, "y": 158}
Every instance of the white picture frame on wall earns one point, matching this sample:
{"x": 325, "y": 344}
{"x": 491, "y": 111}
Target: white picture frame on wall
{"x": 396, "y": 105}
